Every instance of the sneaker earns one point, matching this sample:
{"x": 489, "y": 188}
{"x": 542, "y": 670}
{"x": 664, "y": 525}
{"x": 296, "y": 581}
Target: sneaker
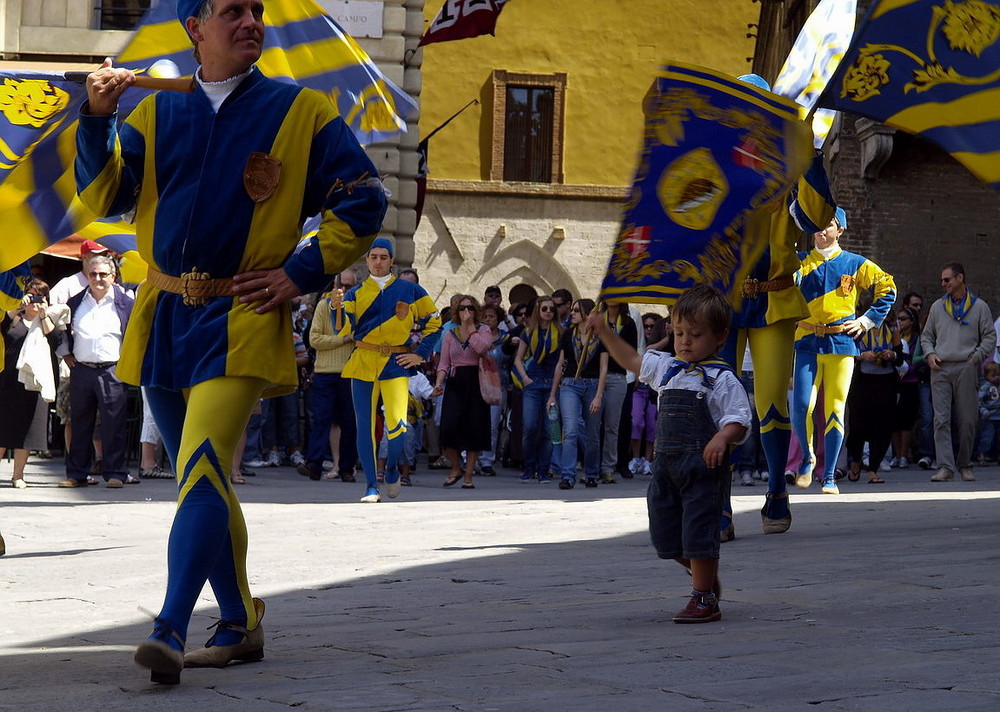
{"x": 789, "y": 477}
{"x": 702, "y": 608}
{"x": 328, "y": 466}
{"x": 371, "y": 496}
{"x": 296, "y": 459}
{"x": 590, "y": 482}
{"x": 943, "y": 475}
{"x": 902, "y": 463}
{"x": 830, "y": 487}
{"x": 526, "y": 477}
{"x": 609, "y": 478}
{"x": 544, "y": 479}
{"x": 886, "y": 465}
{"x": 925, "y": 463}
{"x": 347, "y": 476}
{"x": 442, "y": 463}
{"x": 487, "y": 471}
{"x": 762, "y": 475}
{"x": 647, "y": 467}
{"x": 273, "y": 459}
{"x": 155, "y": 473}
{"x": 255, "y": 463}
{"x": 635, "y": 465}
{"x": 567, "y": 483}
{"x": 967, "y": 474}
{"x": 746, "y": 478}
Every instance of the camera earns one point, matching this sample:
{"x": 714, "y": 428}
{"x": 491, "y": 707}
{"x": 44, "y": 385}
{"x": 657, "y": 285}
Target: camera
{"x": 37, "y": 299}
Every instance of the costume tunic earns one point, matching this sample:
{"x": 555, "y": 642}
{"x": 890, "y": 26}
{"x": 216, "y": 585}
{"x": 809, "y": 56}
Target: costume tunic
{"x": 223, "y": 193}
{"x": 384, "y": 316}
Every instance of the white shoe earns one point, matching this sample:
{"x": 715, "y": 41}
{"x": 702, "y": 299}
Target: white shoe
{"x": 647, "y": 467}
{"x": 746, "y": 478}
{"x": 902, "y": 463}
{"x": 392, "y": 489}
{"x": 273, "y": 459}
{"x": 255, "y": 463}
{"x": 327, "y": 465}
{"x": 886, "y": 465}
{"x": 296, "y": 459}
{"x": 635, "y": 465}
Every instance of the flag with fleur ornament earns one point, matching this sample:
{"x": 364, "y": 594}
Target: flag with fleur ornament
{"x": 930, "y": 68}
{"x": 38, "y": 203}
{"x": 715, "y": 149}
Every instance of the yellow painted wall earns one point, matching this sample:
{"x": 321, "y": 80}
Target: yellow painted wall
{"x": 610, "y": 50}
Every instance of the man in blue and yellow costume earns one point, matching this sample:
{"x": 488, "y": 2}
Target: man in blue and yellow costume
{"x": 825, "y": 348}
{"x": 766, "y": 319}
{"x": 381, "y": 312}
{"x": 221, "y": 179}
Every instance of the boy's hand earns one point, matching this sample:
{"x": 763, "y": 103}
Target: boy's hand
{"x": 715, "y": 451}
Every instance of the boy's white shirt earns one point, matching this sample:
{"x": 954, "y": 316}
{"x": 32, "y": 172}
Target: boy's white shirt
{"x": 419, "y": 386}
{"x": 727, "y": 400}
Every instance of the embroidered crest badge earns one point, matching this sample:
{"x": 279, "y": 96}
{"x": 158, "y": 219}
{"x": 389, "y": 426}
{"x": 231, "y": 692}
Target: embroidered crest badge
{"x": 260, "y": 177}
{"x": 402, "y": 309}
{"x": 846, "y": 284}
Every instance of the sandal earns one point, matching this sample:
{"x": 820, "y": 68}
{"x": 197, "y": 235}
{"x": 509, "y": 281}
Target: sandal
{"x": 855, "y": 474}
{"x": 237, "y": 479}
{"x": 876, "y": 480}
{"x": 452, "y": 480}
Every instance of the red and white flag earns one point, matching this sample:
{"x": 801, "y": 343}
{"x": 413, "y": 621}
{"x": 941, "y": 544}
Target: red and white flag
{"x": 461, "y": 19}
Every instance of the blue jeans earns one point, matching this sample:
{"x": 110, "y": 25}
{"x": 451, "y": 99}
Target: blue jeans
{"x": 536, "y": 446}
{"x": 615, "y": 389}
{"x": 926, "y": 445}
{"x": 575, "y": 397}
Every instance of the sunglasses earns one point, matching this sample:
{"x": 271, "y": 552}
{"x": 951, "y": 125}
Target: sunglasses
{"x": 648, "y": 326}
{"x": 576, "y": 310}
{"x": 546, "y": 310}
{"x": 559, "y": 305}
{"x": 100, "y": 275}
{"x": 466, "y": 307}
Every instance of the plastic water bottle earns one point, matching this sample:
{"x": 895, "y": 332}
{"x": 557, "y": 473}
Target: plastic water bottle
{"x": 554, "y": 429}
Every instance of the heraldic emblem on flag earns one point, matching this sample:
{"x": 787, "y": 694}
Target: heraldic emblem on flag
{"x": 930, "y": 68}
{"x": 714, "y": 149}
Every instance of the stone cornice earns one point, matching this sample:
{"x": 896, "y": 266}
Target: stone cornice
{"x": 528, "y": 190}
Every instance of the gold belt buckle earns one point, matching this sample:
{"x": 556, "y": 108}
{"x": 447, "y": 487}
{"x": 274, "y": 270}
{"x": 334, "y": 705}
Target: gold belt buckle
{"x": 187, "y": 278}
{"x": 385, "y": 349}
{"x": 751, "y": 288}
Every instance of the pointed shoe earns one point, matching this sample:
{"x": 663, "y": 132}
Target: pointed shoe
{"x": 163, "y": 661}
{"x": 775, "y": 526}
{"x": 249, "y": 650}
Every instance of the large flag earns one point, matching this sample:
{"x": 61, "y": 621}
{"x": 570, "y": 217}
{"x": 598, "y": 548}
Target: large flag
{"x": 302, "y": 45}
{"x": 930, "y": 68}
{"x": 814, "y": 57}
{"x": 714, "y": 149}
{"x": 461, "y": 19}
{"x": 38, "y": 204}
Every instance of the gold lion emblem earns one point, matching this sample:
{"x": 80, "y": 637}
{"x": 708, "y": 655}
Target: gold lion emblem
{"x": 31, "y": 102}
{"x": 692, "y": 189}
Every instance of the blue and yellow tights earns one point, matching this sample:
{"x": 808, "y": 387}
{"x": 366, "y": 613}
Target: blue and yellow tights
{"x": 201, "y": 427}
{"x": 395, "y": 394}
{"x": 771, "y": 350}
{"x": 834, "y": 372}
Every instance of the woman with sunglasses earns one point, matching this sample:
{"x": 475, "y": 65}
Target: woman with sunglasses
{"x": 908, "y": 388}
{"x": 465, "y": 416}
{"x": 580, "y": 378}
{"x": 534, "y": 370}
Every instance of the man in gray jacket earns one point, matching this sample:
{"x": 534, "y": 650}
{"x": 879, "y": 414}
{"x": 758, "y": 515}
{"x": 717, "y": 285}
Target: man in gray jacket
{"x": 958, "y": 336}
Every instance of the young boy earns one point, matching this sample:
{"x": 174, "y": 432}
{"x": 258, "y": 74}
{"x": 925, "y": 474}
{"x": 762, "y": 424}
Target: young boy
{"x": 703, "y": 412}
{"x": 989, "y": 414}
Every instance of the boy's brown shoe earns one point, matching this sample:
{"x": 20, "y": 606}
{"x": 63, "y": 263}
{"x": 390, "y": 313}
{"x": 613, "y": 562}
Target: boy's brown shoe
{"x": 702, "y": 608}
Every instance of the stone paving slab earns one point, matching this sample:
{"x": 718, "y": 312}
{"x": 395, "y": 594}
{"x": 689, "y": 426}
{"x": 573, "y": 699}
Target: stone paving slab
{"x": 515, "y": 597}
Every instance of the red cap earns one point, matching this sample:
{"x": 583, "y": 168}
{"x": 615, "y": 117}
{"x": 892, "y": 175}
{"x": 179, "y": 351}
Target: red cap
{"x": 90, "y": 247}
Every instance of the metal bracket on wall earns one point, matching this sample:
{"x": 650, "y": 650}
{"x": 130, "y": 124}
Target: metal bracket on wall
{"x": 876, "y": 142}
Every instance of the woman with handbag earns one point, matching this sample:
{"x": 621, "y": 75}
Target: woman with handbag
{"x": 580, "y": 378}
{"x": 465, "y": 416}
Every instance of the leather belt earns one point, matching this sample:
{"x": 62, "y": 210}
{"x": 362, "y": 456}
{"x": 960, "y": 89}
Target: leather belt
{"x": 752, "y": 287}
{"x": 384, "y": 349}
{"x": 196, "y": 287}
{"x": 822, "y": 329}
{"x": 97, "y": 365}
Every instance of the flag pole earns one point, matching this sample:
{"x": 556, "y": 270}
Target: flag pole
{"x": 182, "y": 84}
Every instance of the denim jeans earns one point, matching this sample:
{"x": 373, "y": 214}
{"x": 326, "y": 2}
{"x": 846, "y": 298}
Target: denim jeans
{"x": 575, "y": 397}
{"x": 536, "y": 446}
{"x": 926, "y": 445}
{"x": 615, "y": 390}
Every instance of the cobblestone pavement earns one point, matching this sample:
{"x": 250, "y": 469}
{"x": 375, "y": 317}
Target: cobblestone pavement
{"x": 514, "y": 597}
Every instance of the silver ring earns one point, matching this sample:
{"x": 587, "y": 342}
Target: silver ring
{"x": 267, "y": 290}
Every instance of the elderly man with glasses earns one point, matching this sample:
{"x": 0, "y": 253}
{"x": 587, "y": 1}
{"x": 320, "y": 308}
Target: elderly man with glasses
{"x": 91, "y": 349}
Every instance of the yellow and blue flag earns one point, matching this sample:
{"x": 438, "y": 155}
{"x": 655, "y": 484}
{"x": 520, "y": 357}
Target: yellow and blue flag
{"x": 814, "y": 57}
{"x": 303, "y": 46}
{"x": 930, "y": 68}
{"x": 715, "y": 148}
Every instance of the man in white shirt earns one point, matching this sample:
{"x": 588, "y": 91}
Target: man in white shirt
{"x": 99, "y": 315}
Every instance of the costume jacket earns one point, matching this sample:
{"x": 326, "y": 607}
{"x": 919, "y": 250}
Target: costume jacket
{"x": 831, "y": 287}
{"x": 221, "y": 193}
{"x": 812, "y": 207}
{"x": 384, "y": 316}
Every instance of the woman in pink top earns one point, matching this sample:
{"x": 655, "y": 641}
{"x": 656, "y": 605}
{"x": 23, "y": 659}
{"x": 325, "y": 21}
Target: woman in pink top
{"x": 465, "y": 416}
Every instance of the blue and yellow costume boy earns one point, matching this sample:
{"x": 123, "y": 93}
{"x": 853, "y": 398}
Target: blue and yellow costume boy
{"x": 381, "y": 312}
{"x": 766, "y": 318}
{"x": 825, "y": 348}
{"x": 222, "y": 180}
